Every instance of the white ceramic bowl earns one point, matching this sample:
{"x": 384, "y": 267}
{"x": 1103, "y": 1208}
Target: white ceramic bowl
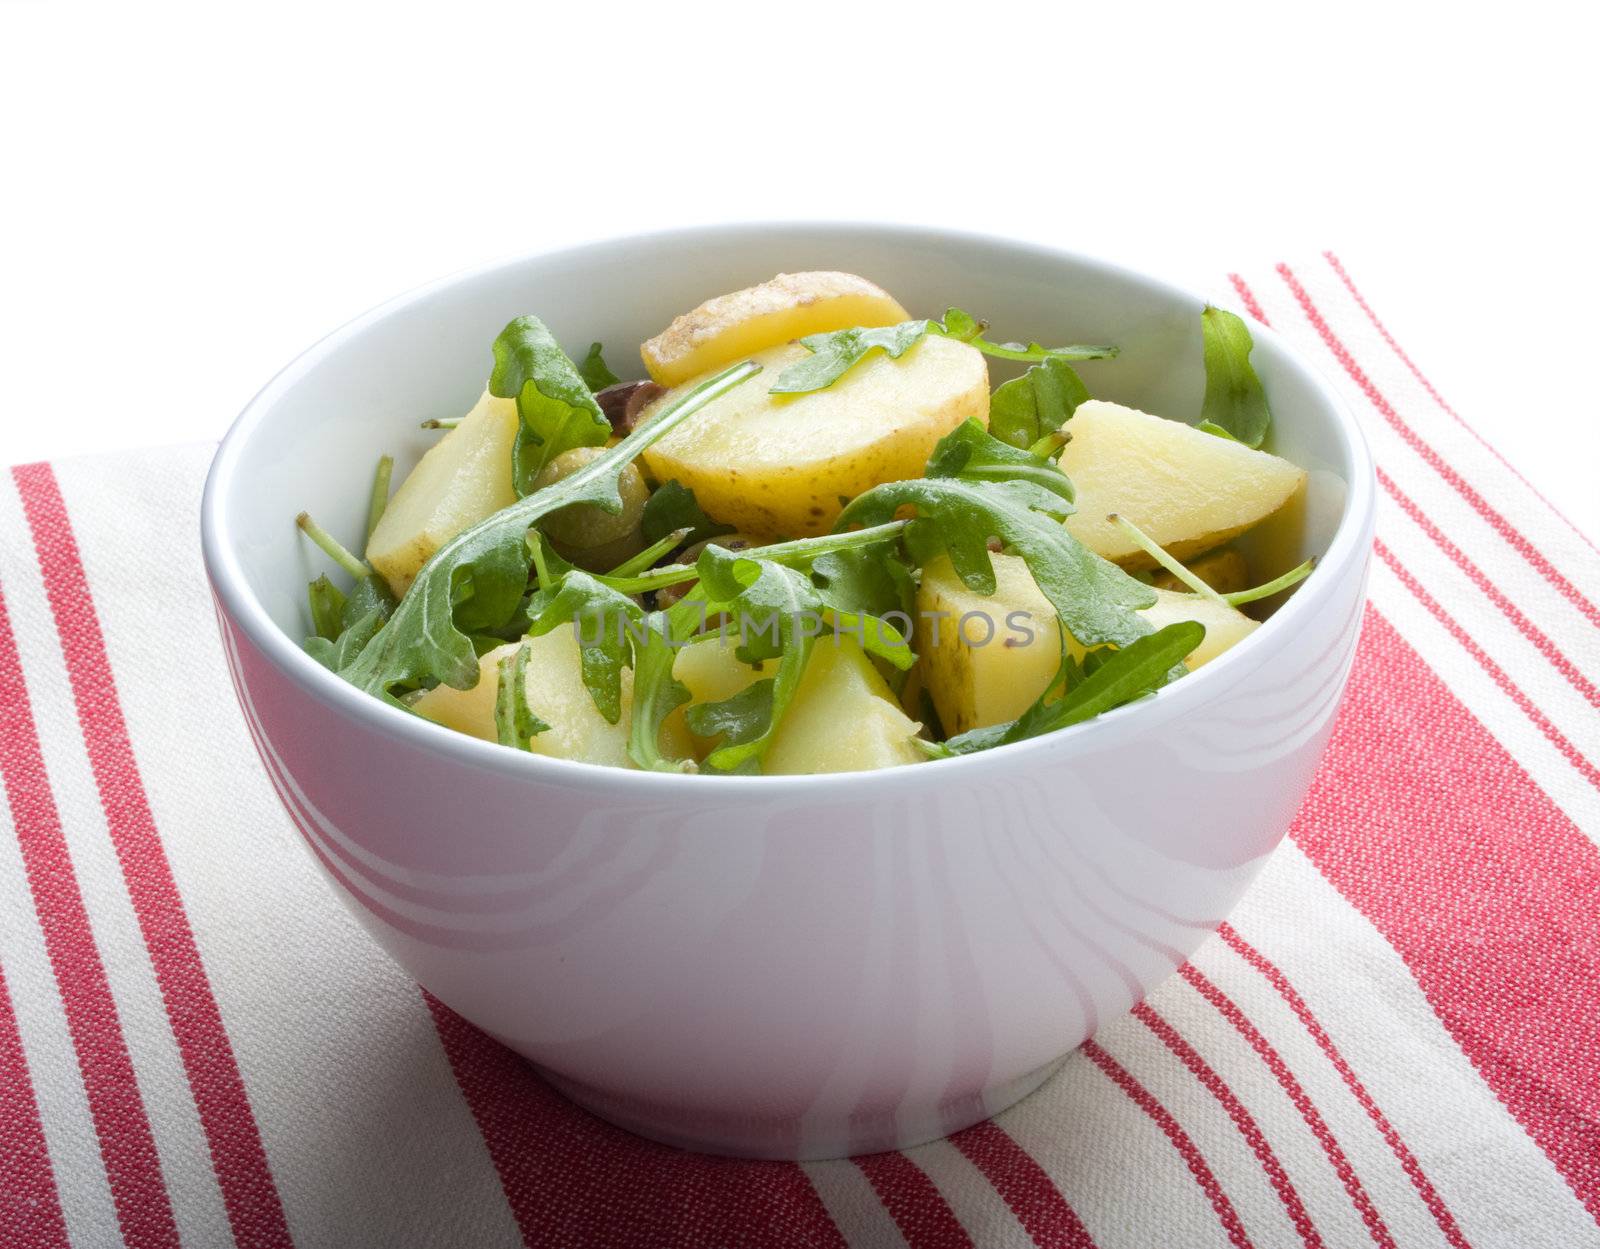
{"x": 781, "y": 966}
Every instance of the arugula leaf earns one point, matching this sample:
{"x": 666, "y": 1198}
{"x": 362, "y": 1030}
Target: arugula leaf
{"x": 971, "y": 453}
{"x": 1094, "y": 599}
{"x": 738, "y": 720}
{"x": 345, "y": 623}
{"x": 777, "y": 613}
{"x": 352, "y": 640}
{"x": 865, "y": 580}
{"x": 752, "y": 589}
{"x": 650, "y": 556}
{"x": 1164, "y": 559}
{"x": 378, "y": 498}
{"x": 968, "y": 329}
{"x": 476, "y": 581}
{"x": 1041, "y": 401}
{"x": 592, "y": 368}
{"x": 602, "y": 619}
{"x": 673, "y": 506}
{"x": 834, "y": 354}
{"x": 862, "y": 587}
{"x": 1277, "y": 585}
{"x": 332, "y": 547}
{"x": 769, "y": 603}
{"x": 558, "y": 412}
{"x": 656, "y": 692}
{"x": 799, "y": 553}
{"x": 514, "y": 720}
{"x": 327, "y": 608}
{"x": 1235, "y": 404}
{"x": 1115, "y": 677}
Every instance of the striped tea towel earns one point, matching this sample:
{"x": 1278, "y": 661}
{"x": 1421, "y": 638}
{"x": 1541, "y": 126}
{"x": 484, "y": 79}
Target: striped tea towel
{"x": 1396, "y": 1039}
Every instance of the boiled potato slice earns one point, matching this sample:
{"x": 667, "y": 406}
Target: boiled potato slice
{"x": 1188, "y": 490}
{"x": 1225, "y": 571}
{"x": 464, "y": 478}
{"x": 842, "y": 719}
{"x": 779, "y": 465}
{"x": 558, "y": 696}
{"x": 986, "y": 658}
{"x": 725, "y": 330}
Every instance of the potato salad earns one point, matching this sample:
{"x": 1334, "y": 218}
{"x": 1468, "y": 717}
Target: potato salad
{"x": 816, "y": 537}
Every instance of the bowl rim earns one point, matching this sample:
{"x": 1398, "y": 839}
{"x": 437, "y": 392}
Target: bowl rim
{"x": 1350, "y": 543}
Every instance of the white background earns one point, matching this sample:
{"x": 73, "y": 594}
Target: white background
{"x": 190, "y": 197}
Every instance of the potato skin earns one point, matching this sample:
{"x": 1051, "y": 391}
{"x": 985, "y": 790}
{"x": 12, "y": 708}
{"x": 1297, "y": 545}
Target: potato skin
{"x": 782, "y": 465}
{"x": 728, "y": 328}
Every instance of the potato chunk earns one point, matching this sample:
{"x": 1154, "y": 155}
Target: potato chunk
{"x": 467, "y": 711}
{"x": 779, "y": 465}
{"x": 558, "y": 696}
{"x": 725, "y": 330}
{"x": 464, "y": 478}
{"x": 1187, "y": 489}
{"x": 986, "y": 658}
{"x": 843, "y": 717}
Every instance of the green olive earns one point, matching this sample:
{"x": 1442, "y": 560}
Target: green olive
{"x": 583, "y": 527}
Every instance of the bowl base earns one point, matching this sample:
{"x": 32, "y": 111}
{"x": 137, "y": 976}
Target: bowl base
{"x": 812, "y": 1138}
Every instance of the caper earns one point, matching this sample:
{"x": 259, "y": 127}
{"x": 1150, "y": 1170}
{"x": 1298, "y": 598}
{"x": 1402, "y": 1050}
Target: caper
{"x": 583, "y": 528}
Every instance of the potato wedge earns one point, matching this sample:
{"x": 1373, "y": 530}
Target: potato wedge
{"x": 779, "y": 465}
{"x": 462, "y": 479}
{"x": 558, "y": 696}
{"x": 727, "y": 329}
{"x": 985, "y": 659}
{"x": 843, "y": 717}
{"x": 1187, "y": 489}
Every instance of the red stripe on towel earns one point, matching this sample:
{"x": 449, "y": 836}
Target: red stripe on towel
{"x": 1524, "y": 626}
{"x": 1265, "y": 1050}
{"x": 30, "y": 1207}
{"x": 918, "y": 1207}
{"x": 1413, "y": 1169}
{"x": 1476, "y": 501}
{"x": 1242, "y": 1119}
{"x": 1546, "y": 647}
{"x": 1252, "y": 305}
{"x": 127, "y": 1147}
{"x": 1025, "y": 1186}
{"x": 1181, "y": 1141}
{"x": 573, "y": 1180}
{"x": 1482, "y": 884}
{"x": 1557, "y": 738}
{"x": 255, "y": 1212}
